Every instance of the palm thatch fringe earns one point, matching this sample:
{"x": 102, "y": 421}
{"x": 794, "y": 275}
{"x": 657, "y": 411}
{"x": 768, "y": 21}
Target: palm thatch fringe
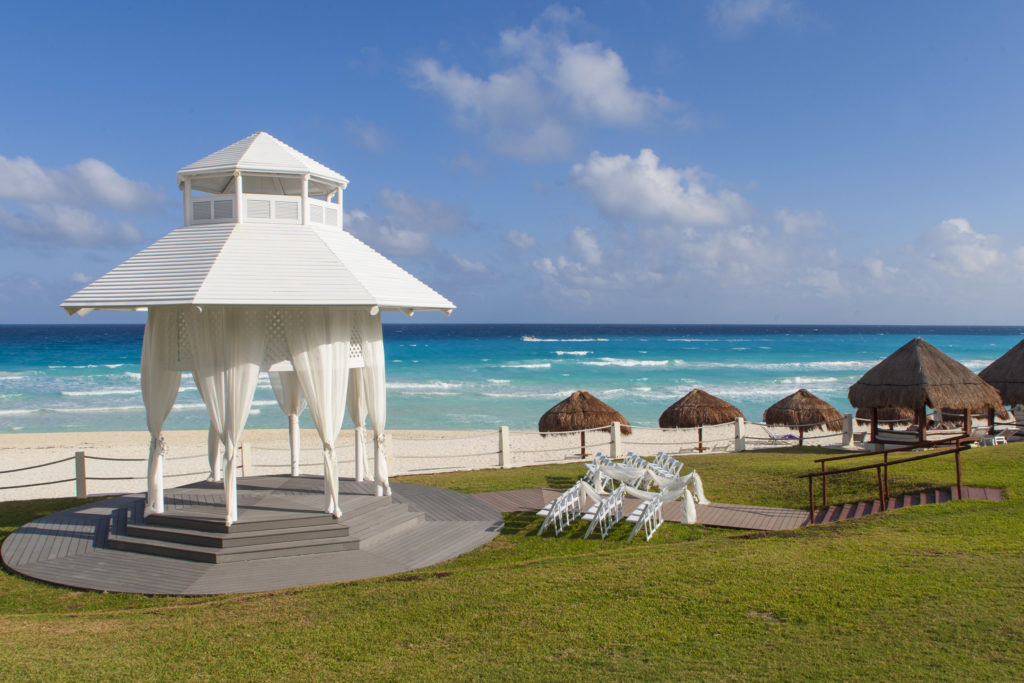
{"x": 698, "y": 408}
{"x": 891, "y": 414}
{"x": 804, "y": 408}
{"x": 1006, "y": 374}
{"x": 918, "y": 374}
{"x": 581, "y": 411}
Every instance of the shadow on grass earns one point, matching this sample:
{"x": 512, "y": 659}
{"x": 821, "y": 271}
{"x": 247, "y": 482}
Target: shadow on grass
{"x": 520, "y": 523}
{"x": 560, "y": 481}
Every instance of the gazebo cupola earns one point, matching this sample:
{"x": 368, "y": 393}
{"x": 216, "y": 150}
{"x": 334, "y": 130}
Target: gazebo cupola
{"x": 261, "y": 179}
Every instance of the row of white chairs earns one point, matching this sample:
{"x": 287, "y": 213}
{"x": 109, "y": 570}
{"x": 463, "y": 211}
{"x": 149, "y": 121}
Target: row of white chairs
{"x": 564, "y": 510}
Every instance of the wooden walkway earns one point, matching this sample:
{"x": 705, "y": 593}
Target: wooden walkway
{"x": 750, "y": 517}
{"x": 72, "y": 547}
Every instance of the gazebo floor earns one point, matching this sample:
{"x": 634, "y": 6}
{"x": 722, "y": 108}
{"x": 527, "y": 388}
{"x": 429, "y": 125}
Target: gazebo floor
{"x": 282, "y": 538}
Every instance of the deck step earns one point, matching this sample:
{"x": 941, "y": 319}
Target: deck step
{"x": 184, "y": 551}
{"x": 208, "y": 539}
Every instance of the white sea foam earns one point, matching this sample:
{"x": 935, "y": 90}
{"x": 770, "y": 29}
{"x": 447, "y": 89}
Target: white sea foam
{"x": 625, "y": 362}
{"x": 527, "y": 366}
{"x": 398, "y": 386}
{"x": 567, "y": 341}
{"x": 133, "y": 375}
{"x": 500, "y": 381}
{"x": 112, "y": 365}
{"x": 103, "y": 392}
{"x": 796, "y": 365}
{"x": 807, "y": 380}
{"x": 573, "y": 353}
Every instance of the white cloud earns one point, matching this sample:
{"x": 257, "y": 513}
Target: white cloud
{"x": 406, "y": 223}
{"x": 57, "y": 224}
{"x": 468, "y": 265}
{"x": 366, "y": 134}
{"x": 81, "y": 278}
{"x": 800, "y": 222}
{"x": 520, "y": 239}
{"x": 529, "y": 110}
{"x": 88, "y": 183}
{"x": 585, "y": 243}
{"x": 642, "y": 188}
{"x": 736, "y": 16}
{"x": 955, "y": 248}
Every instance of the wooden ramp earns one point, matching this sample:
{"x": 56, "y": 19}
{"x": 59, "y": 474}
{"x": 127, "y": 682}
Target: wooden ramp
{"x": 281, "y": 539}
{"x": 749, "y": 517}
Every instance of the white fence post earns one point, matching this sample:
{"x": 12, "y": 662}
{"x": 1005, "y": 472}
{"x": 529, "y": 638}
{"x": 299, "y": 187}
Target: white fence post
{"x": 80, "y": 491}
{"x": 847, "y": 429}
{"x": 741, "y": 438}
{"x": 616, "y": 444}
{"x": 246, "y": 456}
{"x": 504, "y": 452}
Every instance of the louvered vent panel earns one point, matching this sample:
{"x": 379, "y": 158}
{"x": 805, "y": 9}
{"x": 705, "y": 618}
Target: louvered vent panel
{"x": 258, "y": 208}
{"x": 223, "y": 208}
{"x": 286, "y": 210}
{"x": 316, "y": 213}
{"x": 201, "y": 211}
{"x": 332, "y": 216}
{"x": 355, "y": 347}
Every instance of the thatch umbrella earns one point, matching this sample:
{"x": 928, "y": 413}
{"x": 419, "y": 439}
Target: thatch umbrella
{"x": 897, "y": 415}
{"x": 696, "y": 409}
{"x": 580, "y": 412}
{"x": 1006, "y": 374}
{"x": 917, "y": 376}
{"x": 800, "y": 409}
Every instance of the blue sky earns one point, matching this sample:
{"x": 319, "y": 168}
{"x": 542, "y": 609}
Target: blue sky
{"x": 728, "y": 161}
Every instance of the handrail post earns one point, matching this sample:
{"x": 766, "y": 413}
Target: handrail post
{"x": 80, "y": 485}
{"x": 810, "y": 490}
{"x": 959, "y": 479}
{"x": 824, "y": 486}
{"x": 878, "y": 472}
{"x": 885, "y": 467}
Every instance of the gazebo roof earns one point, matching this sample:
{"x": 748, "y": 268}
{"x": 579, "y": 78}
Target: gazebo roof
{"x": 260, "y": 152}
{"x": 803, "y": 408}
{"x": 258, "y": 264}
{"x": 918, "y": 374}
{"x": 1006, "y": 374}
{"x": 581, "y": 411}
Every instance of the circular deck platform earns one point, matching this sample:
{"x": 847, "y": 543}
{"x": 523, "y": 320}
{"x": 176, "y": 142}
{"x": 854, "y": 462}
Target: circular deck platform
{"x": 281, "y": 539}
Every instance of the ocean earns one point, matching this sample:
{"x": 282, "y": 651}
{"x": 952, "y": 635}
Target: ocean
{"x": 462, "y": 376}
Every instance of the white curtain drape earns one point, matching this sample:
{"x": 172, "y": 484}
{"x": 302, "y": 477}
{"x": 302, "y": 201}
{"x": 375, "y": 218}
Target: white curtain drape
{"x": 213, "y": 451}
{"x": 227, "y": 350}
{"x": 288, "y": 392}
{"x": 357, "y": 412}
{"x": 371, "y": 334}
{"x": 318, "y": 342}
{"x": 161, "y": 380}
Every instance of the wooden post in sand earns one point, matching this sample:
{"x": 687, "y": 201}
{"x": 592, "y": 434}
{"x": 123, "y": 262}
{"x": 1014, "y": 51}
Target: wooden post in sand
{"x": 616, "y": 443}
{"x": 504, "y": 451}
{"x": 80, "y": 491}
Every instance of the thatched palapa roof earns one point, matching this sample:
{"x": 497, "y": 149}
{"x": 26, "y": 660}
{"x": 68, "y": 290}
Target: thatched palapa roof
{"x": 804, "y": 408}
{"x": 918, "y": 374}
{"x": 698, "y": 408}
{"x": 1006, "y": 374}
{"x": 901, "y": 415}
{"x": 581, "y": 411}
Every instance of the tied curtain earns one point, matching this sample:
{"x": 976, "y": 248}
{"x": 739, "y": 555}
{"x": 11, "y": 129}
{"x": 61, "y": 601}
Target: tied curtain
{"x": 161, "y": 380}
{"x": 371, "y": 334}
{"x": 318, "y": 342}
{"x": 227, "y": 349}
{"x": 288, "y": 392}
{"x": 357, "y": 412}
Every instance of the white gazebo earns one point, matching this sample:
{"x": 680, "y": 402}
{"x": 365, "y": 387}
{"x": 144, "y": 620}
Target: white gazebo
{"x": 262, "y": 277}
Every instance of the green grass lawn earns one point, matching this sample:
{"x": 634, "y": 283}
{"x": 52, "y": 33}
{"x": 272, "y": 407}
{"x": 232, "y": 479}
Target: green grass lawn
{"x": 926, "y": 593}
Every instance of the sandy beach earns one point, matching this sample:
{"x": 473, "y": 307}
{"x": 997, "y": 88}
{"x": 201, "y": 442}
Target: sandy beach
{"x": 116, "y": 461}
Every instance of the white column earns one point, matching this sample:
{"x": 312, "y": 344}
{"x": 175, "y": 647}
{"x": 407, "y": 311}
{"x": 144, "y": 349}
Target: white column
{"x": 305, "y": 199}
{"x": 341, "y": 211}
{"x": 239, "y": 199}
{"x": 741, "y": 439}
{"x": 188, "y": 201}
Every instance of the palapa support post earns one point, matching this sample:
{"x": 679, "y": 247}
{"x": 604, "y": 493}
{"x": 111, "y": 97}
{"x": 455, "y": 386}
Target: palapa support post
{"x": 700, "y": 439}
{"x": 583, "y": 444}
{"x": 922, "y": 424}
{"x": 991, "y": 420}
{"x": 874, "y": 425}
{"x": 80, "y": 485}
{"x": 801, "y": 432}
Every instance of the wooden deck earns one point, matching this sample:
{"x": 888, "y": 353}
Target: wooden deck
{"x": 749, "y": 517}
{"x": 426, "y": 526}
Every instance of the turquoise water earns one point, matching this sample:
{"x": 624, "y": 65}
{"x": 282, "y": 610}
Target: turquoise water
{"x": 86, "y": 377}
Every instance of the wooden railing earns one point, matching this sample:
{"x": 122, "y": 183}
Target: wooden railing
{"x": 882, "y": 468}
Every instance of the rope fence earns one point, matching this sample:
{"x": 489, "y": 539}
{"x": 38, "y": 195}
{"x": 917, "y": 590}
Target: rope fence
{"x": 416, "y": 453}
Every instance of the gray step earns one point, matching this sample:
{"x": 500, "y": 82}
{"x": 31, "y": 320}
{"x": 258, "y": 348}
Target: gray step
{"x": 383, "y": 520}
{"x": 184, "y": 551}
{"x": 218, "y": 525}
{"x": 209, "y": 539}
{"x": 382, "y": 532}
